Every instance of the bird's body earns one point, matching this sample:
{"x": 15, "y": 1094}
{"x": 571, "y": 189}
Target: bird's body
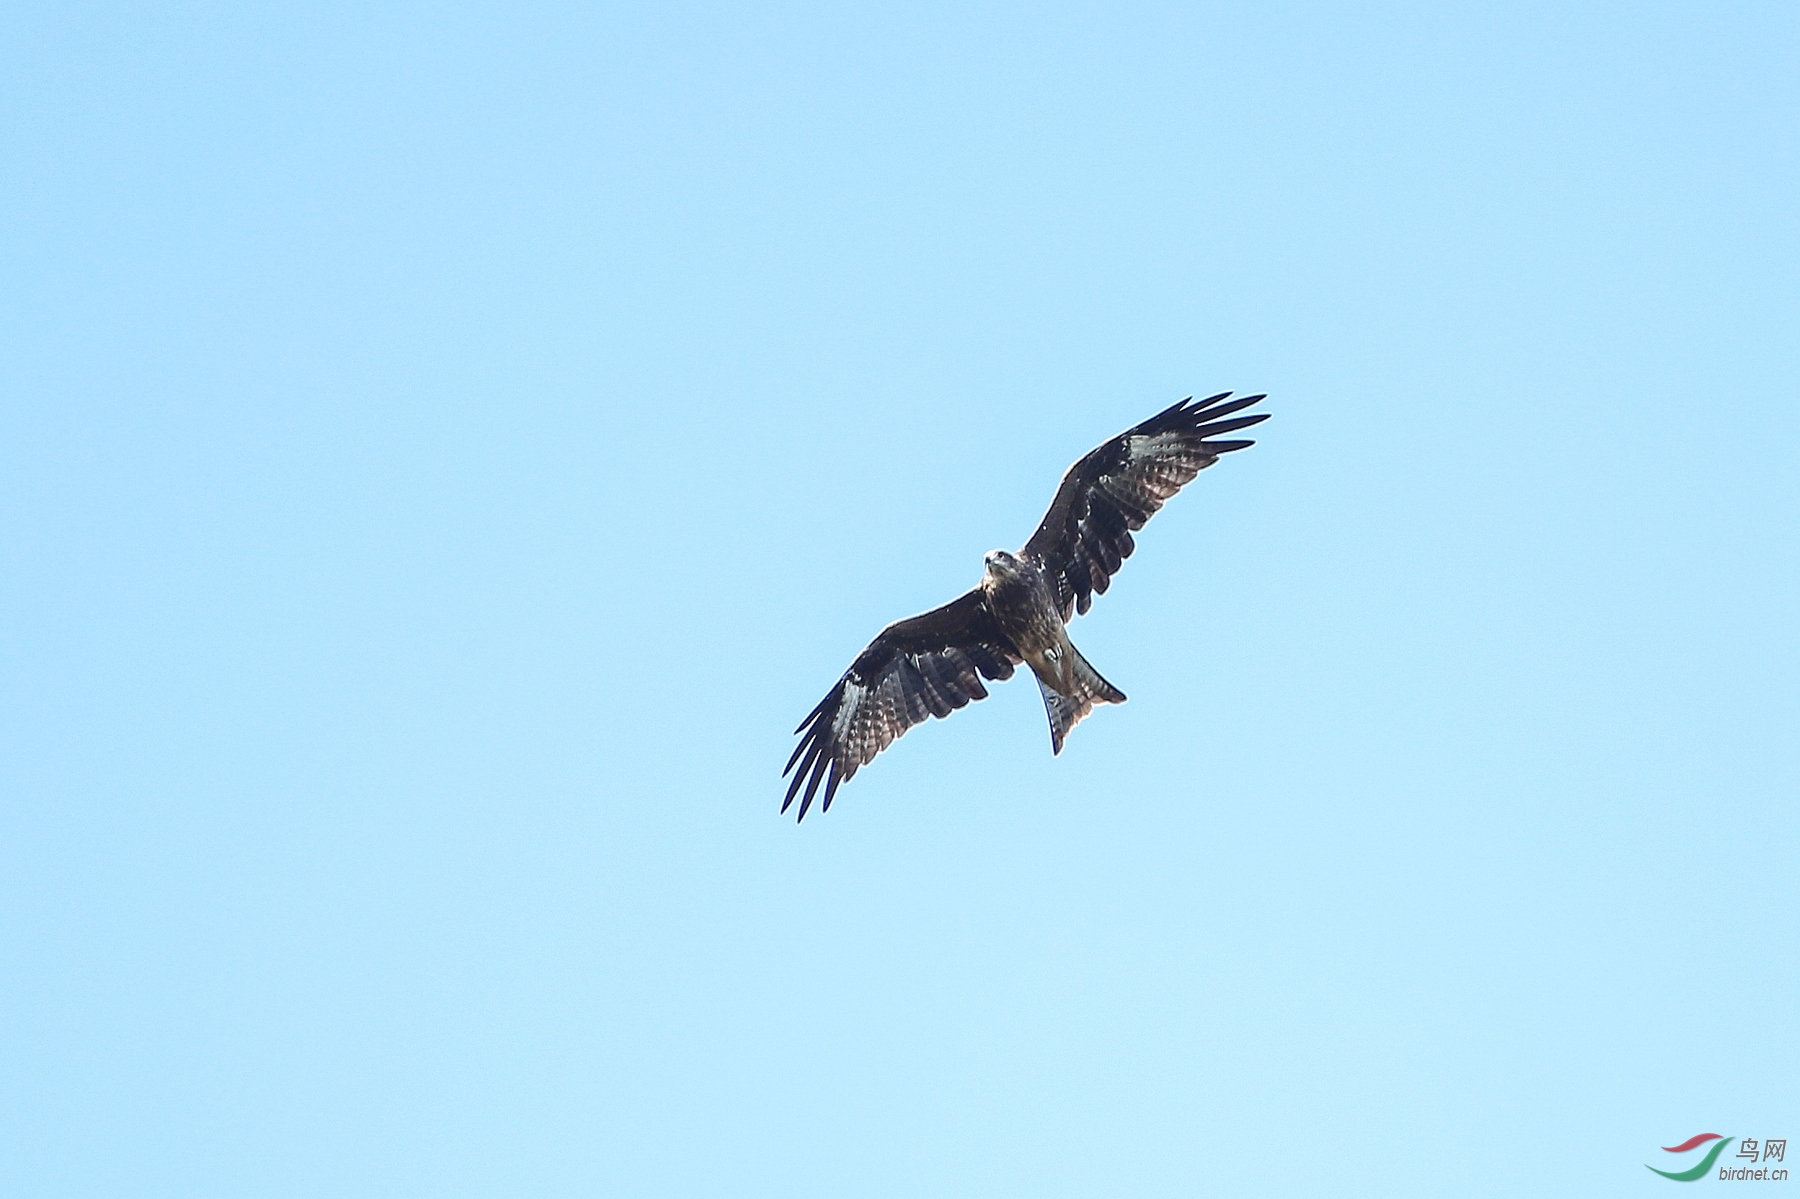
{"x": 933, "y": 664}
{"x": 1019, "y": 597}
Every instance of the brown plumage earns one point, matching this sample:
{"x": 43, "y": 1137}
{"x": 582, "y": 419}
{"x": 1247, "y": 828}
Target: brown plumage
{"x": 933, "y": 664}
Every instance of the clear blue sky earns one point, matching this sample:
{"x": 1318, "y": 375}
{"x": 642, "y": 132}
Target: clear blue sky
{"x": 443, "y": 452}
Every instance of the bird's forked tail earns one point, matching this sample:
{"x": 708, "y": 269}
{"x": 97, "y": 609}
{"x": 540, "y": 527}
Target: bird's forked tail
{"x": 1087, "y": 689}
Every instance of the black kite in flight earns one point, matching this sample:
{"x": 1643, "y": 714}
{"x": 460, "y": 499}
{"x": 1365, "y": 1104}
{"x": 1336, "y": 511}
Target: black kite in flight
{"x": 933, "y": 664}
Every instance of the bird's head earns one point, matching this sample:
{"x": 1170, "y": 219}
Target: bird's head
{"x": 1000, "y": 564}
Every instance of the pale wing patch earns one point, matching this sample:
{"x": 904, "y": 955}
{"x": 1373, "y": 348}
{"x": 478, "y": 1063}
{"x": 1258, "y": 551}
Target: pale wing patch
{"x": 1112, "y": 492}
{"x": 863, "y": 716}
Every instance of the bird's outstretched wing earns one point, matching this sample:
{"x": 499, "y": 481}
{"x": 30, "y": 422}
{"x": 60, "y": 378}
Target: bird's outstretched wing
{"x": 1112, "y": 491}
{"x": 929, "y": 665}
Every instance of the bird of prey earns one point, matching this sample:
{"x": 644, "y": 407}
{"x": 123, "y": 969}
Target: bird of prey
{"x": 933, "y": 664}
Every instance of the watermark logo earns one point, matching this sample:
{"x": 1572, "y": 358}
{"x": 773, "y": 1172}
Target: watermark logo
{"x": 1772, "y": 1148}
